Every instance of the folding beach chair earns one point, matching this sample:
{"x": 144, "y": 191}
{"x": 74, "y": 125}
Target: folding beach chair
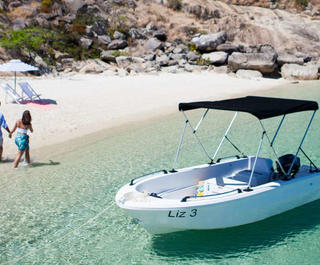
{"x": 15, "y": 97}
{"x": 29, "y": 91}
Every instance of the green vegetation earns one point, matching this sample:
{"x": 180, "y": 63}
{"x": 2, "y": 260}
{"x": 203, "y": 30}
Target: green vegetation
{"x": 175, "y": 4}
{"x": 46, "y": 6}
{"x": 192, "y": 47}
{"x": 44, "y": 42}
{"x": 202, "y": 61}
{"x": 303, "y": 3}
{"x": 119, "y": 53}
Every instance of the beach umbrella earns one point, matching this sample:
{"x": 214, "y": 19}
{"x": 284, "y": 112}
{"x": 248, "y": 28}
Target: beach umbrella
{"x": 17, "y": 66}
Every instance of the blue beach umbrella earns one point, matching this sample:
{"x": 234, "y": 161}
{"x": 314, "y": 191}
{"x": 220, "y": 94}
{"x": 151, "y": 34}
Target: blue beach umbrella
{"x": 17, "y": 66}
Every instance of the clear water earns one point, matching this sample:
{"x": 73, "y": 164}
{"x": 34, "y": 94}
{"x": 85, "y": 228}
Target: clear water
{"x": 62, "y": 210}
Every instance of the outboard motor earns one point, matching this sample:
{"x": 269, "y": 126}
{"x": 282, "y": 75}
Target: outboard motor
{"x": 286, "y": 161}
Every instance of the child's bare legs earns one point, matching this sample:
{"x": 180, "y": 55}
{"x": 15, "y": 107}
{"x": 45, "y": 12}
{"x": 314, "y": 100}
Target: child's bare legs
{"x": 27, "y": 156}
{"x": 17, "y": 159}
{"x": 1, "y": 150}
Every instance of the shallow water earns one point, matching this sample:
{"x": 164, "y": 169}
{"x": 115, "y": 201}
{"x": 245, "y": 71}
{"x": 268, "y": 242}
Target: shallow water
{"x": 62, "y": 210}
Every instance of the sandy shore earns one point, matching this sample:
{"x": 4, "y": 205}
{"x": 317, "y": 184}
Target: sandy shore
{"x": 83, "y": 104}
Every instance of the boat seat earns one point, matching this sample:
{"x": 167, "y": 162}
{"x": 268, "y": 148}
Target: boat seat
{"x": 258, "y": 178}
{"x": 221, "y": 185}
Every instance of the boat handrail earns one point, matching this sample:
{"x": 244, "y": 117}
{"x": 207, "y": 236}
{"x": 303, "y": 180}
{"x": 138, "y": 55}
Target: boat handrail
{"x": 211, "y": 195}
{"x": 226, "y": 157}
{"x": 148, "y": 174}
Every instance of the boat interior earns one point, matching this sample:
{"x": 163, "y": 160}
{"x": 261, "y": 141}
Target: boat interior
{"x": 218, "y": 178}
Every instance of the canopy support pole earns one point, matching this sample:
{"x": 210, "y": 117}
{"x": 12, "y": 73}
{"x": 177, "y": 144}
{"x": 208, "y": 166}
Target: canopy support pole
{"x": 15, "y": 81}
{"x": 299, "y": 148}
{"x": 179, "y": 147}
{"x": 271, "y": 145}
{"x": 202, "y": 118}
{"x": 255, "y": 161}
{"x": 224, "y": 136}
{"x": 194, "y": 132}
{"x": 276, "y": 133}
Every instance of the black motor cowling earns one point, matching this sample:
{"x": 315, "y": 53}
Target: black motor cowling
{"x": 286, "y": 161}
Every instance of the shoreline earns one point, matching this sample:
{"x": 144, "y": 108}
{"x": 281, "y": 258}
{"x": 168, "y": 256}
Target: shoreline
{"x": 87, "y": 104}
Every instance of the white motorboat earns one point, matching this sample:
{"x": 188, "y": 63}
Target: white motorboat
{"x": 226, "y": 192}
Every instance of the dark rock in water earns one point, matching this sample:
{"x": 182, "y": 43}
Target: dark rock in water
{"x": 117, "y": 44}
{"x": 160, "y": 35}
{"x": 208, "y": 43}
{"x": 300, "y": 72}
{"x": 263, "y": 62}
{"x": 228, "y": 48}
{"x": 289, "y": 58}
{"x": 137, "y": 33}
{"x": 153, "y": 44}
{"x": 108, "y": 56}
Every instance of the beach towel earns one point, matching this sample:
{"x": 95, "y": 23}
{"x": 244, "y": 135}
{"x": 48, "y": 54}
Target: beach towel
{"x": 22, "y": 141}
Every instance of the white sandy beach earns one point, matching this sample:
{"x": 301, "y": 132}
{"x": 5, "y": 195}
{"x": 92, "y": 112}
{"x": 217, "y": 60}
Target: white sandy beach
{"x": 89, "y": 103}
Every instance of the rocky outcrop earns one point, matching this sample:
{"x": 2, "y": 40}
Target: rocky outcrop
{"x": 262, "y": 62}
{"x": 248, "y": 74}
{"x": 209, "y": 42}
{"x": 216, "y": 58}
{"x": 300, "y": 72}
{"x": 289, "y": 59}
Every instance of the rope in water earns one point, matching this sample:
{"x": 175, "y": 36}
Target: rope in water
{"x": 58, "y": 239}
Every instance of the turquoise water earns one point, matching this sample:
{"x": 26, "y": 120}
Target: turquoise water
{"x": 62, "y": 210}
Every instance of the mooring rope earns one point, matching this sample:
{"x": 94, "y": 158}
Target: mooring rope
{"x": 58, "y": 239}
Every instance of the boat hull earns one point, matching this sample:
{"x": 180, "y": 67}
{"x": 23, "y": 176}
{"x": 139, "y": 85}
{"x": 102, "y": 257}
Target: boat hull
{"x": 243, "y": 208}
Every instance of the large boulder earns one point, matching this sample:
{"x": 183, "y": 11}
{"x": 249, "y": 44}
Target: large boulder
{"x": 228, "y": 48}
{"x": 209, "y": 42}
{"x": 85, "y": 43}
{"x": 262, "y": 62}
{"x": 300, "y": 72}
{"x": 137, "y": 33}
{"x": 153, "y": 44}
{"x": 162, "y": 60}
{"x": 108, "y": 56}
{"x": 160, "y": 35}
{"x": 248, "y": 74}
{"x": 318, "y": 65}
{"x": 117, "y": 44}
{"x": 289, "y": 58}
{"x": 192, "y": 56}
{"x": 216, "y": 58}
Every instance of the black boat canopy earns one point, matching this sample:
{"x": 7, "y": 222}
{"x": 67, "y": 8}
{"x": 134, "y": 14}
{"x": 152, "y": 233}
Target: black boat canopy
{"x": 261, "y": 107}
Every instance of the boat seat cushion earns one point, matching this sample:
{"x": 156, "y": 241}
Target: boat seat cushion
{"x": 258, "y": 178}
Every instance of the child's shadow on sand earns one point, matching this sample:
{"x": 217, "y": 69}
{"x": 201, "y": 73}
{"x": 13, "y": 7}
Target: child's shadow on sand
{"x": 41, "y": 164}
